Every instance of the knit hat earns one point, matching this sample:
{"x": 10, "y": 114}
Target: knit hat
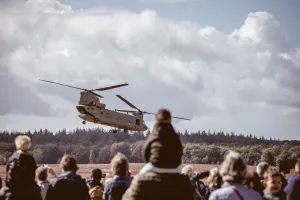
{"x": 163, "y": 147}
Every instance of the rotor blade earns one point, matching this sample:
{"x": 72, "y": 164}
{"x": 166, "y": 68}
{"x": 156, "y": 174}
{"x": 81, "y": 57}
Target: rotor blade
{"x": 129, "y": 111}
{"x": 111, "y": 87}
{"x": 130, "y": 104}
{"x": 171, "y": 116}
{"x": 98, "y": 95}
{"x": 63, "y": 85}
{"x": 180, "y": 118}
{"x": 149, "y": 113}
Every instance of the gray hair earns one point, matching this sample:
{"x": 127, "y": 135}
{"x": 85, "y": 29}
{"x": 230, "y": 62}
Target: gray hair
{"x": 261, "y": 168}
{"x": 233, "y": 168}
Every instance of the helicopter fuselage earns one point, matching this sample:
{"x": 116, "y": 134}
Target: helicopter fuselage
{"x": 111, "y": 118}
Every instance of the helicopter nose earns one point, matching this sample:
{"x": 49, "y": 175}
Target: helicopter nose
{"x": 80, "y": 109}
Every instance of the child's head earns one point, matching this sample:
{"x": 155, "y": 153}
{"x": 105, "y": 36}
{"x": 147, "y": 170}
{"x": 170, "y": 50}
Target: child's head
{"x": 273, "y": 180}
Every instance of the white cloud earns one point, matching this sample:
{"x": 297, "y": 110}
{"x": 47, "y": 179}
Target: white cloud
{"x": 230, "y": 82}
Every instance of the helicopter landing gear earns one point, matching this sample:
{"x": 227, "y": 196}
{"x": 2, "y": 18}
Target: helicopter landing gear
{"x": 125, "y": 131}
{"x": 83, "y": 122}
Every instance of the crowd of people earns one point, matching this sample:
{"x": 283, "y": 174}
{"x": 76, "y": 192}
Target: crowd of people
{"x": 160, "y": 178}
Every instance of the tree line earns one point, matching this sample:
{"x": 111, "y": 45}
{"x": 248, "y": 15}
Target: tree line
{"x": 99, "y": 146}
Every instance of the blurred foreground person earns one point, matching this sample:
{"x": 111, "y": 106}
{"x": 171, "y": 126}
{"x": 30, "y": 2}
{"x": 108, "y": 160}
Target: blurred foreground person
{"x": 233, "y": 172}
{"x": 43, "y": 183}
{"x": 116, "y": 186}
{"x": 292, "y": 189}
{"x": 20, "y": 173}
{"x": 160, "y": 178}
{"x": 273, "y": 185}
{"x": 68, "y": 184}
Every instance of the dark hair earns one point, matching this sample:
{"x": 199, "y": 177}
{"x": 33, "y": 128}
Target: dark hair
{"x": 42, "y": 173}
{"x": 96, "y": 174}
{"x": 68, "y": 163}
{"x": 163, "y": 115}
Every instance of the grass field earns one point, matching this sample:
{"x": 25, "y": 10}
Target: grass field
{"x": 85, "y": 169}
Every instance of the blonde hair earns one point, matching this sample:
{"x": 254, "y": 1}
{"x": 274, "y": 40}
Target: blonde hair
{"x": 214, "y": 179}
{"x": 119, "y": 164}
{"x": 23, "y": 142}
{"x": 233, "y": 169}
{"x": 188, "y": 170}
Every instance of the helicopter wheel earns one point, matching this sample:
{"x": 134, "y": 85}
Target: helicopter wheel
{"x": 83, "y": 122}
{"x": 115, "y": 131}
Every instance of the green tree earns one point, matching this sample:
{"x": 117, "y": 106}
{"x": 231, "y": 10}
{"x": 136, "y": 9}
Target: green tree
{"x": 268, "y": 157}
{"x": 104, "y": 155}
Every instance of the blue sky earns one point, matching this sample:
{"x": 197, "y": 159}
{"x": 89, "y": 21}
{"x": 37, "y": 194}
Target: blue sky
{"x": 225, "y": 15}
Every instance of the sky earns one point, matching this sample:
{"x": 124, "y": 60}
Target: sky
{"x": 227, "y": 65}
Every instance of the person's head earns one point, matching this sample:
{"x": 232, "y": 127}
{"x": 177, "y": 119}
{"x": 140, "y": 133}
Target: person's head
{"x": 214, "y": 179}
{"x": 233, "y": 168}
{"x": 96, "y": 174}
{"x": 297, "y": 167}
{"x": 163, "y": 147}
{"x": 23, "y": 143}
{"x": 68, "y": 163}
{"x": 188, "y": 170}
{"x": 272, "y": 180}
{"x": 119, "y": 164}
{"x": 41, "y": 173}
{"x": 163, "y": 116}
{"x": 261, "y": 168}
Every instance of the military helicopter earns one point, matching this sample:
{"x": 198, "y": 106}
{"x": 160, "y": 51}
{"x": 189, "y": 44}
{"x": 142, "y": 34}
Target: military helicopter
{"x": 92, "y": 110}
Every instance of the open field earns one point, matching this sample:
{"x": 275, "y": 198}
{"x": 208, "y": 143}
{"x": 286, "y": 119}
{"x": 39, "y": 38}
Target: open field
{"x": 85, "y": 169}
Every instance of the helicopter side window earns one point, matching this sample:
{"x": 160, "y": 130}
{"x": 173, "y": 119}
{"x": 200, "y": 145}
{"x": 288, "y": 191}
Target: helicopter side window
{"x": 137, "y": 122}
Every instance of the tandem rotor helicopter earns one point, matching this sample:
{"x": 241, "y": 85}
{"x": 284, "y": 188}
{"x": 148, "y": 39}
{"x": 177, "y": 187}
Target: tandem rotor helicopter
{"x": 92, "y": 110}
